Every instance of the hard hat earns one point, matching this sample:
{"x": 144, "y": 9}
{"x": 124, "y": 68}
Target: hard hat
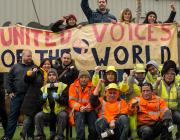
{"x": 112, "y": 86}
{"x": 111, "y": 68}
{"x": 139, "y": 68}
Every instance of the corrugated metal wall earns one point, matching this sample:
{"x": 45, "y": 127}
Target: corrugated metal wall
{"x": 51, "y": 10}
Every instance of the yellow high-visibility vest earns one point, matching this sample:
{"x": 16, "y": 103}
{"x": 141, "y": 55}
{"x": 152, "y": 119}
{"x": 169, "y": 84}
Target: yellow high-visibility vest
{"x": 58, "y": 107}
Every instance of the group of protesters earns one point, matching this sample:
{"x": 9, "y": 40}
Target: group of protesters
{"x": 145, "y": 104}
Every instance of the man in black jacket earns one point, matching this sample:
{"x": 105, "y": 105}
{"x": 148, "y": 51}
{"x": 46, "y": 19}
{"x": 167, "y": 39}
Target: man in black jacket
{"x": 66, "y": 69}
{"x": 99, "y": 15}
{"x": 16, "y": 88}
{"x": 3, "y": 114}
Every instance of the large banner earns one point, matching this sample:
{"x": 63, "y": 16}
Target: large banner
{"x": 121, "y": 45}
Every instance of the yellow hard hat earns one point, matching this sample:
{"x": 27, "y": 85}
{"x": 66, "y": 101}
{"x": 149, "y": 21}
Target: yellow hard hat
{"x": 111, "y": 68}
{"x": 178, "y": 77}
{"x": 112, "y": 86}
{"x": 160, "y": 67}
{"x": 139, "y": 68}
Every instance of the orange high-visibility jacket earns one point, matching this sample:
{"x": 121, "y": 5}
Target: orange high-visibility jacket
{"x": 111, "y": 110}
{"x": 77, "y": 97}
{"x": 148, "y": 111}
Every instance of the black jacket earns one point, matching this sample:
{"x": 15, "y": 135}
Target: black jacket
{"x": 31, "y": 104}
{"x": 96, "y": 16}
{"x": 70, "y": 75}
{"x": 58, "y": 26}
{"x": 169, "y": 20}
{"x": 15, "y": 80}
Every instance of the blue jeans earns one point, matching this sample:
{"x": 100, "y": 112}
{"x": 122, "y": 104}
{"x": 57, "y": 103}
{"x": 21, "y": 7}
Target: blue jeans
{"x": 15, "y": 107}
{"x": 80, "y": 119}
{"x": 121, "y": 128}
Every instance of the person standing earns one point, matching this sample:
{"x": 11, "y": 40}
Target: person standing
{"x": 3, "y": 113}
{"x": 100, "y": 15}
{"x": 36, "y": 78}
{"x": 17, "y": 88}
{"x": 66, "y": 68}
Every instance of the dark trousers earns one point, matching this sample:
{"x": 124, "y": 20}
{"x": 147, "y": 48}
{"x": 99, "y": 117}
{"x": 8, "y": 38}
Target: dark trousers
{"x": 150, "y": 132}
{"x": 28, "y": 127}
{"x": 121, "y": 128}
{"x": 15, "y": 106}
{"x": 176, "y": 120}
{"x": 3, "y": 114}
{"x": 80, "y": 119}
{"x": 62, "y": 121}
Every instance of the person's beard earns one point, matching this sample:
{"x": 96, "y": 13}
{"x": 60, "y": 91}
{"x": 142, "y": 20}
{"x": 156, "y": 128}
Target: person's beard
{"x": 140, "y": 80}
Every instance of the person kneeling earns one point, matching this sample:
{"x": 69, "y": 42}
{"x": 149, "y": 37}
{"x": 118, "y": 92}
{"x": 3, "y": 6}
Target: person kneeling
{"x": 55, "y": 103}
{"x": 112, "y": 122}
{"x": 153, "y": 116}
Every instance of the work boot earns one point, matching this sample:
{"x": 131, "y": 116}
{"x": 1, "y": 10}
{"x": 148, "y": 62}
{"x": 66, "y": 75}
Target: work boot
{"x": 40, "y": 138}
{"x": 5, "y": 138}
{"x": 30, "y": 138}
{"x": 22, "y": 137}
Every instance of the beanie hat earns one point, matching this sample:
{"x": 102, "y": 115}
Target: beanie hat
{"x": 52, "y": 70}
{"x": 83, "y": 73}
{"x": 149, "y": 13}
{"x": 154, "y": 63}
{"x": 69, "y": 17}
{"x": 169, "y": 64}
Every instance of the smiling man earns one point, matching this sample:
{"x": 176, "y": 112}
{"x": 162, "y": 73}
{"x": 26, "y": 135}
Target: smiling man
{"x": 66, "y": 68}
{"x": 100, "y": 15}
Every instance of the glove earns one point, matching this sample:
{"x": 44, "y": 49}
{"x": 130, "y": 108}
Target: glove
{"x": 55, "y": 95}
{"x": 134, "y": 103}
{"x": 45, "y": 95}
{"x": 125, "y": 77}
{"x": 167, "y": 122}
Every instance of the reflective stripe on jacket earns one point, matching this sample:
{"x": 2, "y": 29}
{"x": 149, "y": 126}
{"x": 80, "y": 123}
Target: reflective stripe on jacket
{"x": 148, "y": 111}
{"x": 123, "y": 87}
{"x": 169, "y": 94}
{"x": 58, "y": 107}
{"x": 111, "y": 110}
{"x": 79, "y": 97}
